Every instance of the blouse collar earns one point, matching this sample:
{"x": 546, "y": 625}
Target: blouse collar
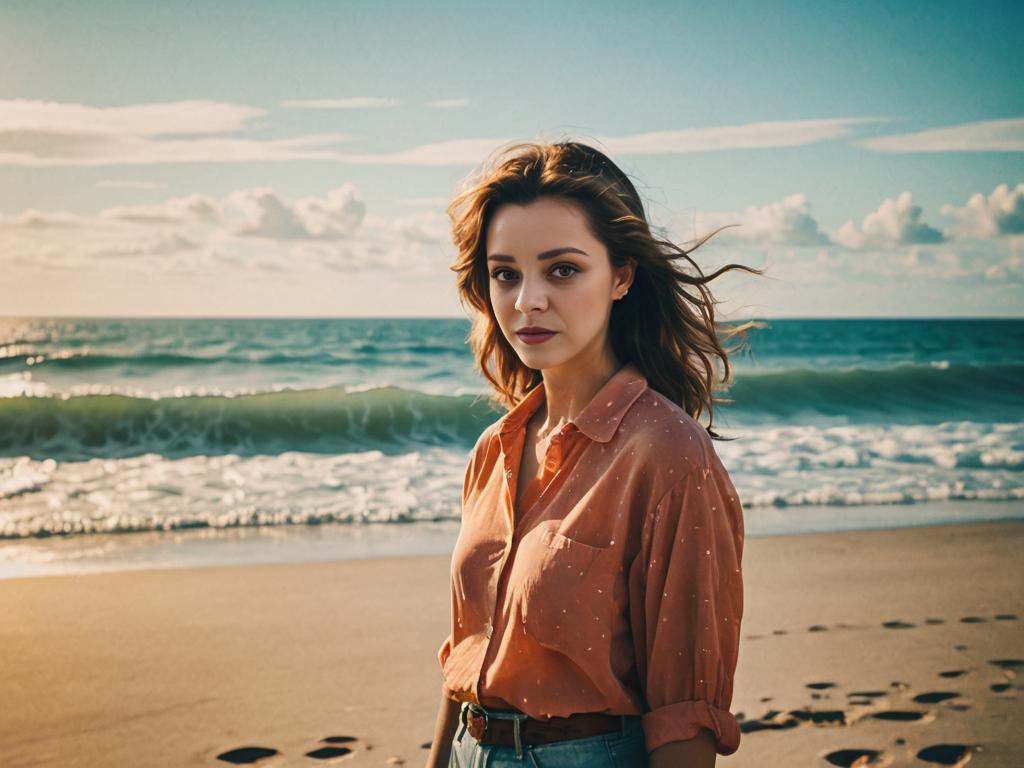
{"x": 600, "y": 417}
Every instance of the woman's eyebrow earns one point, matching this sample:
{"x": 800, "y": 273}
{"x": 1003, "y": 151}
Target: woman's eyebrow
{"x": 540, "y": 256}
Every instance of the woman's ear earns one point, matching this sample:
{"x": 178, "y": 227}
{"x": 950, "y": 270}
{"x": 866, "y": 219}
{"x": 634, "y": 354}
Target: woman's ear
{"x": 626, "y": 273}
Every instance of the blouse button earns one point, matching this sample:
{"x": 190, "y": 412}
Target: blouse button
{"x": 508, "y": 473}
{"x": 490, "y": 629}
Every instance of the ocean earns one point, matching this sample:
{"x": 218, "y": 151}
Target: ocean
{"x": 128, "y": 443}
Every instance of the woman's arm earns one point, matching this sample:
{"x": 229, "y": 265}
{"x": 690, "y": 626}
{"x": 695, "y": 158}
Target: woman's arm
{"x": 686, "y": 605}
{"x": 698, "y": 752}
{"x": 444, "y": 732}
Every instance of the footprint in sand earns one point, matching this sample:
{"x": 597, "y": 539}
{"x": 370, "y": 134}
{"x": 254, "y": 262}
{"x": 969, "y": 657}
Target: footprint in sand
{"x": 327, "y": 753}
{"x": 252, "y": 755}
{"x": 953, "y": 673}
{"x": 776, "y": 720}
{"x": 946, "y": 754}
{"x": 247, "y": 755}
{"x": 1009, "y": 668}
{"x": 898, "y": 625}
{"x": 902, "y": 716}
{"x": 863, "y": 698}
{"x": 934, "y": 697}
{"x": 820, "y": 687}
{"x": 848, "y": 758}
{"x": 820, "y": 717}
{"x": 1006, "y": 663}
{"x": 773, "y": 720}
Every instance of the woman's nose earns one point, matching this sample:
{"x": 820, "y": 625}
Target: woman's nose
{"x": 531, "y": 297}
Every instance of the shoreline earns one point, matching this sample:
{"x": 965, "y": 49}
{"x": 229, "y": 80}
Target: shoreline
{"x": 267, "y": 545}
{"x": 175, "y": 667}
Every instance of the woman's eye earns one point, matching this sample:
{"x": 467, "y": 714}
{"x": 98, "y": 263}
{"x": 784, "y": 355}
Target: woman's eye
{"x": 496, "y": 274}
{"x": 566, "y": 266}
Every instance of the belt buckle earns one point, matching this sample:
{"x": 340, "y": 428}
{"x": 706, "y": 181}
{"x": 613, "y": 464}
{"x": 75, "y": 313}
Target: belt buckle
{"x": 473, "y": 721}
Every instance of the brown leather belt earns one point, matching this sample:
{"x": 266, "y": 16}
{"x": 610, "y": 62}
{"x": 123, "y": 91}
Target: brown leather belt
{"x": 492, "y": 730}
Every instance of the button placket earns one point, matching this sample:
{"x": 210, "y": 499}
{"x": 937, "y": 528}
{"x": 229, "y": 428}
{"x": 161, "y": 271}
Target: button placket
{"x": 554, "y": 453}
{"x": 489, "y": 626}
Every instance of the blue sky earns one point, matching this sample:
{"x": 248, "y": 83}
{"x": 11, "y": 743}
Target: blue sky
{"x": 247, "y": 158}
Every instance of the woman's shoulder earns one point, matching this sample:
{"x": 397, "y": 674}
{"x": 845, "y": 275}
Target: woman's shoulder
{"x": 486, "y": 444}
{"x": 667, "y": 439}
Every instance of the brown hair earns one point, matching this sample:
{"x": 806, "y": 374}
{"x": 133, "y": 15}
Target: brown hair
{"x": 668, "y": 333}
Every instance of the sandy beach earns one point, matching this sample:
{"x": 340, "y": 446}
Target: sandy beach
{"x": 901, "y": 644}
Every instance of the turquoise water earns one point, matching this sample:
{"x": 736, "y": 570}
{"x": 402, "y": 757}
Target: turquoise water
{"x": 152, "y": 425}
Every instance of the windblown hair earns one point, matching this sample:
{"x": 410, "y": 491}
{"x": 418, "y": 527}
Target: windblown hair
{"x": 667, "y": 331}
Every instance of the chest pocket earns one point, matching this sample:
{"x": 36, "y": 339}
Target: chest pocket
{"x": 567, "y": 593}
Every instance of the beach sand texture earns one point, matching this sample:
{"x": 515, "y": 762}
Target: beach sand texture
{"x": 902, "y": 644}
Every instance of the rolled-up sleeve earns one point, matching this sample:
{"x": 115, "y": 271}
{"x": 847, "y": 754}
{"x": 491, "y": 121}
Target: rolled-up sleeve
{"x": 442, "y": 656}
{"x": 686, "y": 603}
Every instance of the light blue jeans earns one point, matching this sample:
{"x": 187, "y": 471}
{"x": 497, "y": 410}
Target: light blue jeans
{"x": 623, "y": 748}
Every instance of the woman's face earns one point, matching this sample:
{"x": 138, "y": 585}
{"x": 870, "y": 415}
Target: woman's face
{"x": 547, "y": 270}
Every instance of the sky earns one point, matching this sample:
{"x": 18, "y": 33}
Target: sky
{"x": 256, "y": 159}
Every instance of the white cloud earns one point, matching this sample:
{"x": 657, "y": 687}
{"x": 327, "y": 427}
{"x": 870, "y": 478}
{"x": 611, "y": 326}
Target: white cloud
{"x": 455, "y": 152}
{"x": 780, "y": 133}
{"x": 896, "y": 223}
{"x": 472, "y": 151}
{"x": 34, "y": 219}
{"x": 157, "y": 244}
{"x": 263, "y": 213}
{"x": 985, "y": 136}
{"x": 78, "y": 149}
{"x": 425, "y": 227}
{"x": 175, "y": 210}
{"x": 788, "y": 222}
{"x": 249, "y": 229}
{"x": 891, "y": 243}
{"x": 368, "y": 102}
{"x": 24, "y": 116}
{"x": 998, "y": 215}
{"x": 36, "y": 133}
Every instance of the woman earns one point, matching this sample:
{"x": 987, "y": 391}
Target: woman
{"x": 596, "y": 581}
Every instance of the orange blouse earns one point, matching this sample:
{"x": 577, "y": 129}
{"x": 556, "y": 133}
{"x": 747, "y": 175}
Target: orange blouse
{"x": 620, "y": 589}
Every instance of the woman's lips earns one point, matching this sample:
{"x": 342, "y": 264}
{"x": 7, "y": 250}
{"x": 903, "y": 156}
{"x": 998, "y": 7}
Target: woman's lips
{"x": 535, "y": 338}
